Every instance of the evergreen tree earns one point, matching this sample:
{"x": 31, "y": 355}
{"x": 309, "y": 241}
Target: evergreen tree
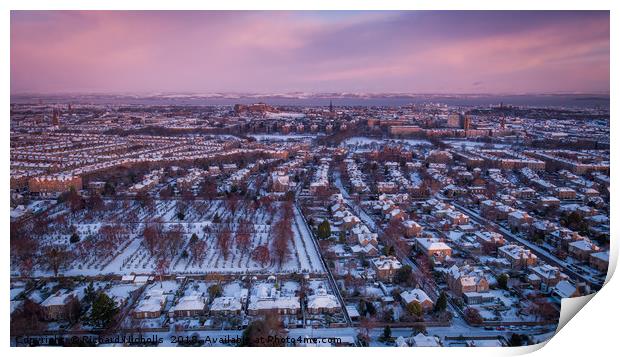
{"x": 103, "y": 311}
{"x": 259, "y": 332}
{"x": 324, "y": 230}
{"x": 215, "y": 291}
{"x": 74, "y": 238}
{"x": 109, "y": 189}
{"x": 342, "y": 238}
{"x": 442, "y": 302}
{"x": 515, "y": 340}
{"x": 404, "y": 275}
{"x": 362, "y": 307}
{"x": 371, "y": 308}
{"x": 502, "y": 281}
{"x": 387, "y": 333}
{"x": 389, "y": 250}
{"x": 415, "y": 309}
{"x": 89, "y": 293}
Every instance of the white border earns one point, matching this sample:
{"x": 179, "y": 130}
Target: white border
{"x": 590, "y": 332}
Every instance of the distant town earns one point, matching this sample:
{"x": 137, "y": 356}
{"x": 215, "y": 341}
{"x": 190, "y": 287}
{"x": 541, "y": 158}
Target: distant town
{"x": 327, "y": 224}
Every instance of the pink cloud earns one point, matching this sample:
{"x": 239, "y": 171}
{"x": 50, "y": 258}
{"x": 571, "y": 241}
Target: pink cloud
{"x": 311, "y": 51}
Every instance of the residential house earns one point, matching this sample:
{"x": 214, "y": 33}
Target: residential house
{"x": 600, "y": 260}
{"x": 417, "y": 295}
{"x": 434, "y": 248}
{"x": 518, "y": 256}
{"x": 519, "y": 219}
{"x": 225, "y": 306}
{"x": 322, "y": 302}
{"x": 582, "y": 249}
{"x": 548, "y": 276}
{"x": 412, "y": 228}
{"x": 489, "y": 241}
{"x": 151, "y": 305}
{"x": 55, "y": 307}
{"x": 271, "y": 301}
{"x": 386, "y": 267}
{"x": 565, "y": 193}
{"x": 189, "y": 306}
{"x": 466, "y": 279}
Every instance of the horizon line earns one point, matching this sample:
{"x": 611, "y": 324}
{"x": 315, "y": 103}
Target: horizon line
{"x": 212, "y": 93}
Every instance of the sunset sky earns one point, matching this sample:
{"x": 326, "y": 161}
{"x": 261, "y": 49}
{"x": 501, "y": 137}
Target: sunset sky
{"x": 324, "y": 51}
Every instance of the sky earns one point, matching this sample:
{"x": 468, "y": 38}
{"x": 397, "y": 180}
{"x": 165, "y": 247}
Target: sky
{"x": 495, "y": 52}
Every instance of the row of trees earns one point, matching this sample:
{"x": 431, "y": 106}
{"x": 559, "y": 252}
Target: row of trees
{"x": 281, "y": 236}
{"x": 159, "y": 241}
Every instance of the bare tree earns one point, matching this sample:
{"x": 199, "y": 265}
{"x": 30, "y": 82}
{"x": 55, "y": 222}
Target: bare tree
{"x": 151, "y": 236}
{"x": 26, "y": 267}
{"x": 261, "y": 255}
{"x": 223, "y": 242}
{"x": 55, "y": 257}
{"x": 163, "y": 263}
{"x": 174, "y": 239}
{"x": 197, "y": 248}
{"x": 282, "y": 234}
{"x": 365, "y": 327}
{"x": 243, "y": 240}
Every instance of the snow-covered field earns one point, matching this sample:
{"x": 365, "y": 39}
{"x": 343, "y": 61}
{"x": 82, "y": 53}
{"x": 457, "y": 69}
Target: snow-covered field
{"x": 457, "y": 144}
{"x": 360, "y": 141}
{"x": 282, "y": 137}
{"x": 128, "y": 253}
{"x": 285, "y": 115}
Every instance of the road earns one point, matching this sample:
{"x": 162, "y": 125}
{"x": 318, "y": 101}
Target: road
{"x": 541, "y": 253}
{"x": 330, "y": 277}
{"x": 429, "y": 287}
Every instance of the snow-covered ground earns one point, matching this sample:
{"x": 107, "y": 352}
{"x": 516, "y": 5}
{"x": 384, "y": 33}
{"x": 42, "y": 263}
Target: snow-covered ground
{"x": 360, "y": 141}
{"x": 457, "y": 144}
{"x": 282, "y": 137}
{"x": 205, "y": 219}
{"x": 285, "y": 115}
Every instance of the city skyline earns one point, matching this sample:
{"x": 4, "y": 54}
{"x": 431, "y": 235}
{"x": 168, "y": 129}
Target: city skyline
{"x": 456, "y": 52}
